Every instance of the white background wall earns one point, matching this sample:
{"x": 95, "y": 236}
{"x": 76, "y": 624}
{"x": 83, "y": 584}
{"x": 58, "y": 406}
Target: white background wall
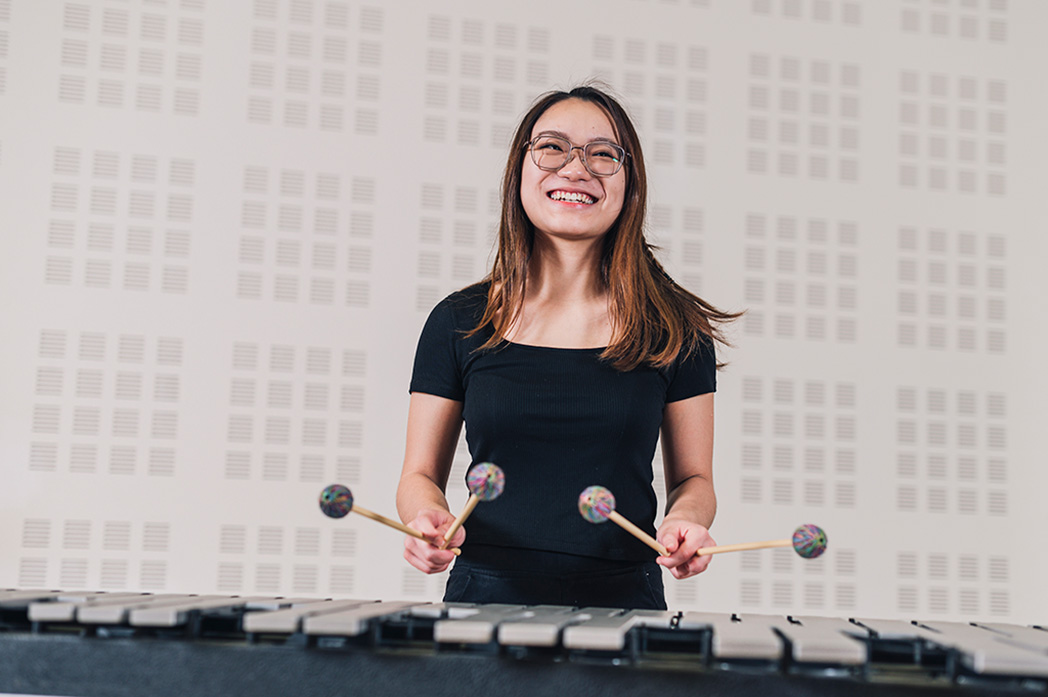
{"x": 222, "y": 225}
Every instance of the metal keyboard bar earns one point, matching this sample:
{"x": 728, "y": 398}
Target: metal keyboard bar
{"x": 289, "y": 620}
{"x": 476, "y": 625}
{"x": 278, "y": 603}
{"x": 177, "y": 614}
{"x": 541, "y": 626}
{"x": 823, "y": 640}
{"x": 987, "y": 651}
{"x": 736, "y": 639}
{"x": 892, "y": 630}
{"x": 439, "y": 611}
{"x": 983, "y": 651}
{"x": 352, "y": 621}
{"x": 1031, "y": 637}
{"x": 14, "y": 598}
{"x": 606, "y": 629}
{"x": 64, "y": 608}
{"x": 118, "y": 612}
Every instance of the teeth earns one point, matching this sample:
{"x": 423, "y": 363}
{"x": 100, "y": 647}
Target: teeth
{"x": 570, "y": 196}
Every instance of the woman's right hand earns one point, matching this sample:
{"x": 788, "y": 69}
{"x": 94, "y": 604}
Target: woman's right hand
{"x": 427, "y": 556}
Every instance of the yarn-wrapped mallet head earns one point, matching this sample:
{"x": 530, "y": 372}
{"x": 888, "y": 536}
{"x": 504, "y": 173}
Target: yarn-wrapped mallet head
{"x": 596, "y": 503}
{"x": 336, "y": 501}
{"x": 809, "y": 541}
{"x": 486, "y": 482}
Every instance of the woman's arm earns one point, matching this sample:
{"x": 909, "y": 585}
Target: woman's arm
{"x": 434, "y": 424}
{"x": 687, "y": 457}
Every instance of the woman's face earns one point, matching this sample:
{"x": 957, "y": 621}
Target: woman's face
{"x": 572, "y": 203}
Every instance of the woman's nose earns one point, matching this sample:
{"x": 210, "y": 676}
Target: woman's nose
{"x": 574, "y": 167}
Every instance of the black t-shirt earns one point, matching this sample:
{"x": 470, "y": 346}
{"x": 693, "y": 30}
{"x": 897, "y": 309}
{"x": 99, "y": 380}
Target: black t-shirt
{"x": 556, "y": 421}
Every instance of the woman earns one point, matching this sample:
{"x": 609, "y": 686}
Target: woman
{"x": 564, "y": 364}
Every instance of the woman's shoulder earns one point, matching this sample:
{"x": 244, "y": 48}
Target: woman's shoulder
{"x": 470, "y": 295}
{"x": 464, "y": 308}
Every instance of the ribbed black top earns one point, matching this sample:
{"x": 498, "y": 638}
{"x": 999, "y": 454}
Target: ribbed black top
{"x": 556, "y": 421}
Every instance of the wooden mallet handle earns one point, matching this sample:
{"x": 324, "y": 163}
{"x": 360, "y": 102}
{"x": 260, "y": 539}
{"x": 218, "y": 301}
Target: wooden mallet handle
{"x": 742, "y": 547}
{"x": 720, "y": 549}
{"x": 632, "y": 529}
{"x": 471, "y": 503}
{"x": 394, "y": 524}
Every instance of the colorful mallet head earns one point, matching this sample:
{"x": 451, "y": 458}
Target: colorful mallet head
{"x": 809, "y": 541}
{"x": 486, "y": 481}
{"x": 336, "y": 501}
{"x": 596, "y": 503}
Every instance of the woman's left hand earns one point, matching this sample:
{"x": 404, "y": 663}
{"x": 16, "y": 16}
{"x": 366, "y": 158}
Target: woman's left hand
{"x": 681, "y": 539}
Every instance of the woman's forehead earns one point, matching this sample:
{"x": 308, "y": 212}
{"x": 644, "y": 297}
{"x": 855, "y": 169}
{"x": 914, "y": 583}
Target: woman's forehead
{"x": 577, "y": 118}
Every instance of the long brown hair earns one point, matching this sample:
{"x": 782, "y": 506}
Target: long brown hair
{"x": 654, "y": 317}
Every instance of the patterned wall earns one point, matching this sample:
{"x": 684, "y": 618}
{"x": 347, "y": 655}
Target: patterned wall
{"x": 225, "y": 222}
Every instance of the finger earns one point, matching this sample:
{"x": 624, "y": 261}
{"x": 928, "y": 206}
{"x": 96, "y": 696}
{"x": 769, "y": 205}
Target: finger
{"x": 424, "y": 526}
{"x": 456, "y": 540}
{"x": 433, "y": 552}
{"x": 424, "y": 563}
{"x": 441, "y": 557}
{"x": 433, "y": 534}
{"x": 694, "y": 566}
{"x": 670, "y": 538}
{"x": 689, "y": 547}
{"x": 670, "y": 542}
{"x": 413, "y": 559}
{"x": 434, "y": 541}
{"x": 679, "y": 552}
{"x": 426, "y": 554}
{"x": 673, "y": 561}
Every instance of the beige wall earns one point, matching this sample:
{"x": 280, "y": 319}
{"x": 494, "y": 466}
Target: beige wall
{"x": 223, "y": 223}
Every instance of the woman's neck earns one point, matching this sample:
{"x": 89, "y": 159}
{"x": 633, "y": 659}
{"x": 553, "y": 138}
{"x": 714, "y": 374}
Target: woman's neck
{"x": 565, "y": 271}
{"x": 565, "y": 303}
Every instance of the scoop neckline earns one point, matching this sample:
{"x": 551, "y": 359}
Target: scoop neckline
{"x": 553, "y": 348}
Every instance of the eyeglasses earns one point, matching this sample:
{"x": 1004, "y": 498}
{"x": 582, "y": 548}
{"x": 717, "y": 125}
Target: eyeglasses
{"x": 600, "y": 158}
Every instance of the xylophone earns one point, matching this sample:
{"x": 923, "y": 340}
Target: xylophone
{"x": 114, "y": 644}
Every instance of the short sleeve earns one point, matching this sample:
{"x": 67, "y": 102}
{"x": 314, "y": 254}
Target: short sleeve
{"x": 436, "y": 370}
{"x": 694, "y": 374}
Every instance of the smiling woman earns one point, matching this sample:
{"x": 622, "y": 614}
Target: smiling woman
{"x": 566, "y": 364}
{"x": 567, "y": 195}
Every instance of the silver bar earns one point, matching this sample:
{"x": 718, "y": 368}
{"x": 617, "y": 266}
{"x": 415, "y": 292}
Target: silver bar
{"x": 117, "y": 612}
{"x": 606, "y": 630}
{"x": 289, "y": 620}
{"x": 64, "y": 608}
{"x": 16, "y": 598}
{"x": 989, "y": 649}
{"x": 983, "y": 651}
{"x": 748, "y": 638}
{"x": 352, "y": 621}
{"x": 439, "y": 611}
{"x": 177, "y": 614}
{"x": 892, "y": 630}
{"x": 824, "y": 640}
{"x": 434, "y": 611}
{"x": 474, "y": 625}
{"x": 541, "y": 625}
{"x": 279, "y": 603}
{"x": 1030, "y": 637}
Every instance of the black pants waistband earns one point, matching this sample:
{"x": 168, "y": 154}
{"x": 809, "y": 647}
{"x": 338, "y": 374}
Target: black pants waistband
{"x": 533, "y": 577}
{"x": 538, "y": 561}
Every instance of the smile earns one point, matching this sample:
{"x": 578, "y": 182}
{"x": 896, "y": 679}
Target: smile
{"x": 571, "y": 197}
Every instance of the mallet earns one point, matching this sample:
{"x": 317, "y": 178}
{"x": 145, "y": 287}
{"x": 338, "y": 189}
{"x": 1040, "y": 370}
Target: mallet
{"x": 597, "y": 504}
{"x": 336, "y": 501}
